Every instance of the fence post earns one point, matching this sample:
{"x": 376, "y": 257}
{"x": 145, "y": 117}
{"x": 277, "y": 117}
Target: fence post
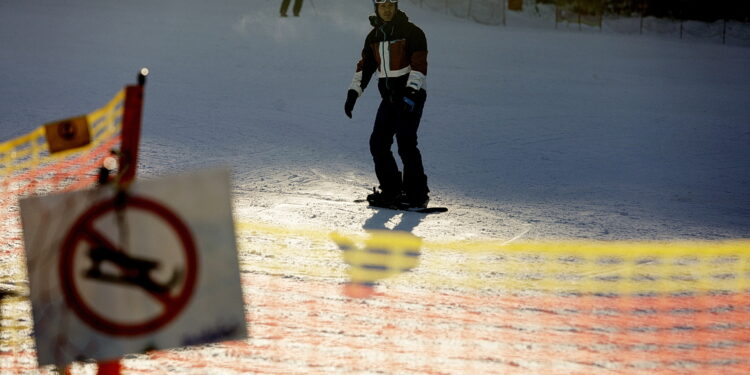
{"x": 682, "y": 22}
{"x": 503, "y": 7}
{"x": 131, "y": 128}
{"x": 682, "y": 17}
{"x": 641, "y": 31}
{"x": 557, "y": 15}
{"x": 131, "y": 135}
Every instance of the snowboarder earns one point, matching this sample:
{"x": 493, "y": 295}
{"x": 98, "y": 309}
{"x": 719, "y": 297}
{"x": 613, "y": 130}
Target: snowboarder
{"x": 397, "y": 49}
{"x": 295, "y": 10}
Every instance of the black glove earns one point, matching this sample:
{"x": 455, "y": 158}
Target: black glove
{"x": 351, "y": 98}
{"x": 410, "y": 100}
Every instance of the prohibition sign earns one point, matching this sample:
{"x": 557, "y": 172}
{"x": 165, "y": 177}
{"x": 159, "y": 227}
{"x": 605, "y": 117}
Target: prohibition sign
{"x": 83, "y": 231}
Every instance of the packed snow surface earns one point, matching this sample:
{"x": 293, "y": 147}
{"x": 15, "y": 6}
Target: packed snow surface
{"x": 528, "y": 133}
{"x": 553, "y": 134}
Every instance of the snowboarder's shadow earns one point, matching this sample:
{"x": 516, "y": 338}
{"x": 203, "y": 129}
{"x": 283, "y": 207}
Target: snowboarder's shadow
{"x": 385, "y": 252}
{"x": 382, "y": 217}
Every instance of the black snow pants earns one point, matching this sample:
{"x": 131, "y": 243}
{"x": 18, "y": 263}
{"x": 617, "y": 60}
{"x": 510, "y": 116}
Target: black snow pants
{"x": 296, "y": 9}
{"x": 392, "y": 121}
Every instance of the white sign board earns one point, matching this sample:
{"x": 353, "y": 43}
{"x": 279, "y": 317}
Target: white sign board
{"x": 116, "y": 274}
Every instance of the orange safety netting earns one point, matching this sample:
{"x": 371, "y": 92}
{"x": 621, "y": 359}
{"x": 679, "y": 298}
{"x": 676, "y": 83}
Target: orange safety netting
{"x": 462, "y": 307}
{"x": 27, "y": 167}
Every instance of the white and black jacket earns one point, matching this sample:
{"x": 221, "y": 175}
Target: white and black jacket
{"x": 397, "y": 50}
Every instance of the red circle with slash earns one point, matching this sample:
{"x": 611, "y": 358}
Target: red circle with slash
{"x": 83, "y": 231}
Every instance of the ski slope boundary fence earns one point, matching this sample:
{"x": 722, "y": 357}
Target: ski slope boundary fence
{"x": 28, "y": 167}
{"x": 323, "y": 302}
{"x": 454, "y": 307}
{"x": 635, "y": 268}
{"x": 529, "y": 13}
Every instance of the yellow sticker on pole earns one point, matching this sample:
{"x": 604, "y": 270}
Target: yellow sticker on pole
{"x": 67, "y": 134}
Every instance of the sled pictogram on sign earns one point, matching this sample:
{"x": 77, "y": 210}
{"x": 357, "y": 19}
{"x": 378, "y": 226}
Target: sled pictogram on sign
{"x": 132, "y": 272}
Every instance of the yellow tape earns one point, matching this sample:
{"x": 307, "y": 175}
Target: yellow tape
{"x": 383, "y": 254}
{"x": 31, "y": 150}
{"x": 619, "y": 267}
{"x": 9, "y": 146}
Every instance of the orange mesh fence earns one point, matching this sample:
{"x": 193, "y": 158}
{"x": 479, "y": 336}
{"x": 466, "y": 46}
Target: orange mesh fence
{"x": 393, "y": 303}
{"x": 308, "y": 327}
{"x": 688, "y": 317}
{"x": 466, "y": 307}
{"x": 27, "y": 167}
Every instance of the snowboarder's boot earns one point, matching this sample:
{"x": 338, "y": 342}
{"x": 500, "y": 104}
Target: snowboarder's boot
{"x": 416, "y": 191}
{"x": 416, "y": 202}
{"x": 407, "y": 202}
{"x": 386, "y": 198}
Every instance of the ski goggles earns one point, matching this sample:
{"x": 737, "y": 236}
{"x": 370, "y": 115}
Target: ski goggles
{"x": 385, "y": 1}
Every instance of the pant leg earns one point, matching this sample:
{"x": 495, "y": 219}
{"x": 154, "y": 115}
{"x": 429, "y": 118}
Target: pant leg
{"x": 415, "y": 180}
{"x": 381, "y": 141}
{"x": 284, "y": 6}
{"x": 297, "y": 7}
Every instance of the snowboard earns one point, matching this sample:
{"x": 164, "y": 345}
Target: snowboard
{"x": 425, "y": 210}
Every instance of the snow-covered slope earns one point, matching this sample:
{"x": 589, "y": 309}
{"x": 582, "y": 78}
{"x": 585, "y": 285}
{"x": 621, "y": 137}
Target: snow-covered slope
{"x": 554, "y": 134}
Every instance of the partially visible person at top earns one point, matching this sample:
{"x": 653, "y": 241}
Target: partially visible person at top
{"x": 295, "y": 10}
{"x": 397, "y": 50}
